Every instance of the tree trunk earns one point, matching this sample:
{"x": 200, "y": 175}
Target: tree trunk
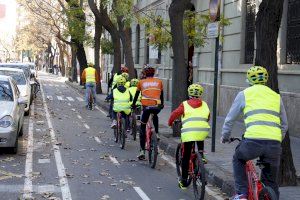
{"x": 61, "y": 57}
{"x": 97, "y": 38}
{"x": 73, "y": 64}
{"x": 176, "y": 13}
{"x": 81, "y": 57}
{"x": 267, "y": 27}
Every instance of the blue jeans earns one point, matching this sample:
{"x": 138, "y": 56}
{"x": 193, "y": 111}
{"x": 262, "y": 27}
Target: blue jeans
{"x": 90, "y": 87}
{"x": 268, "y": 151}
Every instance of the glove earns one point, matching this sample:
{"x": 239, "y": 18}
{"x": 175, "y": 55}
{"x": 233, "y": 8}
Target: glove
{"x": 133, "y": 106}
{"x": 224, "y": 140}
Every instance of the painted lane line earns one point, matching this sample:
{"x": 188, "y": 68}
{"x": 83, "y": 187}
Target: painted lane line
{"x": 29, "y": 160}
{"x": 50, "y": 98}
{"x": 79, "y": 117}
{"x": 86, "y": 126}
{"x": 64, "y": 185}
{"x": 70, "y": 98}
{"x": 36, "y": 188}
{"x": 44, "y": 161}
{"x": 60, "y": 98}
{"x": 97, "y": 139}
{"x": 79, "y": 99}
{"x": 169, "y": 161}
{"x": 141, "y": 193}
{"x": 114, "y": 160}
{"x": 100, "y": 110}
{"x": 69, "y": 104}
{"x": 50, "y": 85}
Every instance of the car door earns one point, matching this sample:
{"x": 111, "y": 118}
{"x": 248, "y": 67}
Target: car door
{"x": 19, "y": 109}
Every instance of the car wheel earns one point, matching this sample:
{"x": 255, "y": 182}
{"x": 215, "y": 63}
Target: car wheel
{"x": 14, "y": 150}
{"x": 21, "y": 131}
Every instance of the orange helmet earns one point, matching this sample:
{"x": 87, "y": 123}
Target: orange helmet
{"x": 124, "y": 69}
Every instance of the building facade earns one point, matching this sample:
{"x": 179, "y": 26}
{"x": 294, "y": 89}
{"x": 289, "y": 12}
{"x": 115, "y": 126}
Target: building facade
{"x": 236, "y": 53}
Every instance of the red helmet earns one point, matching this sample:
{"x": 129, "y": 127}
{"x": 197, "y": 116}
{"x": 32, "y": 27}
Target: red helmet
{"x": 149, "y": 71}
{"x": 124, "y": 69}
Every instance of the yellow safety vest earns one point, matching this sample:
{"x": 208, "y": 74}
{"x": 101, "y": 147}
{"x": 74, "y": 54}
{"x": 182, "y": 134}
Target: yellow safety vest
{"x": 262, "y": 113}
{"x": 90, "y": 74}
{"x": 121, "y": 101}
{"x": 116, "y": 77}
{"x": 127, "y": 84}
{"x": 194, "y": 123}
{"x": 132, "y": 91}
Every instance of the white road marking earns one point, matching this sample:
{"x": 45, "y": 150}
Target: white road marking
{"x": 47, "y": 188}
{"x": 64, "y": 185}
{"x": 60, "y": 98}
{"x": 141, "y": 193}
{"x": 79, "y": 117}
{"x": 86, "y": 126}
{"x": 114, "y": 160}
{"x": 50, "y": 85}
{"x": 70, "y": 98}
{"x": 169, "y": 161}
{"x": 69, "y": 104}
{"x": 100, "y": 110}
{"x": 43, "y": 161}
{"x": 50, "y": 98}
{"x": 97, "y": 139}
{"x": 36, "y": 188}
{"x": 79, "y": 99}
{"x": 29, "y": 157}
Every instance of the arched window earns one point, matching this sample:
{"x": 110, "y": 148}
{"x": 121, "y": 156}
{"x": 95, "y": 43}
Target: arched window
{"x": 250, "y": 31}
{"x": 137, "y": 44}
{"x": 147, "y": 48}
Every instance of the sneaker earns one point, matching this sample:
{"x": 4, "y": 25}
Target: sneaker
{"x": 141, "y": 156}
{"x": 240, "y": 197}
{"x": 113, "y": 124}
{"x": 158, "y": 137}
{"x": 182, "y": 184}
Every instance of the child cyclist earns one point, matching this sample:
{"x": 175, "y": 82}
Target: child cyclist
{"x": 195, "y": 115}
{"x": 126, "y": 76}
{"x": 122, "y": 101}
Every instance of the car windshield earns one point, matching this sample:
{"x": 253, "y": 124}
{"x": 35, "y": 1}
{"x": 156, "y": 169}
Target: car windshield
{"x": 17, "y": 76}
{"x": 25, "y": 68}
{"x": 5, "y": 91}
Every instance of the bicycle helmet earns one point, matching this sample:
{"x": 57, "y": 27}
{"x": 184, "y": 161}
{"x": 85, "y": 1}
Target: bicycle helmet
{"x": 257, "y": 75}
{"x": 125, "y": 75}
{"x": 149, "y": 71}
{"x": 134, "y": 82}
{"x": 195, "y": 90}
{"x": 121, "y": 81}
{"x": 124, "y": 69}
{"x": 90, "y": 65}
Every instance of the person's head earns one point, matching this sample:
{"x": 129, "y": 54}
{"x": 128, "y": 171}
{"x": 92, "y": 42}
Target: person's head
{"x": 124, "y": 69}
{"x": 125, "y": 75}
{"x": 149, "y": 71}
{"x": 257, "y": 75}
{"x": 90, "y": 65}
{"x": 121, "y": 81}
{"x": 195, "y": 90}
{"x": 134, "y": 82}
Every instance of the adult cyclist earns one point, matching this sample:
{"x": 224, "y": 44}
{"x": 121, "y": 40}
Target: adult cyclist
{"x": 152, "y": 101}
{"x": 266, "y": 125}
{"x": 90, "y": 78}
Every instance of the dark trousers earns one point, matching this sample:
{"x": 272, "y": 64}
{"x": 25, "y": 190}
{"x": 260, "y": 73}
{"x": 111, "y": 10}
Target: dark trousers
{"x": 268, "y": 151}
{"x": 145, "y": 116}
{"x": 123, "y": 115}
{"x": 186, "y": 157}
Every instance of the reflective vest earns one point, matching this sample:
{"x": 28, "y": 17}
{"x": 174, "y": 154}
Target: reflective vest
{"x": 90, "y": 74}
{"x": 194, "y": 123}
{"x": 116, "y": 77}
{"x": 127, "y": 84}
{"x": 151, "y": 89}
{"x": 262, "y": 113}
{"x": 121, "y": 101}
{"x": 132, "y": 91}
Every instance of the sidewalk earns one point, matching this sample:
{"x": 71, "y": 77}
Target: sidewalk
{"x": 219, "y": 165}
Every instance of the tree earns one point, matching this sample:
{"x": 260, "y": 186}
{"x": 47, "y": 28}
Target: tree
{"x": 97, "y": 41}
{"x": 267, "y": 27}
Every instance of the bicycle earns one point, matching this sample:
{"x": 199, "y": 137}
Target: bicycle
{"x": 256, "y": 189}
{"x": 90, "y": 99}
{"x": 135, "y": 115}
{"x": 151, "y": 142}
{"x": 120, "y": 130}
{"x": 196, "y": 172}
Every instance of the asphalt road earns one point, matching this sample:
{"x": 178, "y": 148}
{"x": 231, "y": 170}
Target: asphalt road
{"x": 68, "y": 152}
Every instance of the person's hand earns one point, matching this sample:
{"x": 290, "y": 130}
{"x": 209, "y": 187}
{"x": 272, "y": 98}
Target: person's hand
{"x": 223, "y": 140}
{"x": 133, "y": 106}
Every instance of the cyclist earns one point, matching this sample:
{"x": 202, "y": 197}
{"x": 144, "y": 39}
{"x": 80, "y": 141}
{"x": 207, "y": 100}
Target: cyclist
{"x": 195, "y": 115}
{"x": 126, "y": 76}
{"x": 122, "y": 100}
{"x": 152, "y": 101}
{"x": 132, "y": 90}
{"x": 266, "y": 125}
{"x": 90, "y": 78}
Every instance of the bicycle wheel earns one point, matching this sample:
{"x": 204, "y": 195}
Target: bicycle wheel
{"x": 179, "y": 162}
{"x": 123, "y": 133}
{"x": 199, "y": 179}
{"x": 116, "y": 131}
{"x": 267, "y": 193}
{"x": 133, "y": 126}
{"x": 153, "y": 151}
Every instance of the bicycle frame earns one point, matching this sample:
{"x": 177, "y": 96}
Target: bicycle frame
{"x": 254, "y": 184}
{"x": 192, "y": 159}
{"x": 149, "y": 131}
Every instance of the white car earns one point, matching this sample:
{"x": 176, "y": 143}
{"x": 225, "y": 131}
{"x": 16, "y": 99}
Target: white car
{"x": 22, "y": 82}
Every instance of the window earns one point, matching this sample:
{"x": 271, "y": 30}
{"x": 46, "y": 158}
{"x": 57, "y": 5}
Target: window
{"x": 137, "y": 44}
{"x": 147, "y": 51}
{"x": 293, "y": 32}
{"x": 250, "y": 31}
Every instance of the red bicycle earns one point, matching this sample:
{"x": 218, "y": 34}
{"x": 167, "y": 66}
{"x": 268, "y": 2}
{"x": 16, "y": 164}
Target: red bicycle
{"x": 151, "y": 142}
{"x": 196, "y": 170}
{"x": 256, "y": 189}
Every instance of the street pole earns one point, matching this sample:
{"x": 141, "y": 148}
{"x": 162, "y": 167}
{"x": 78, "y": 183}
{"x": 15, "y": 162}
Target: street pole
{"x": 215, "y": 100}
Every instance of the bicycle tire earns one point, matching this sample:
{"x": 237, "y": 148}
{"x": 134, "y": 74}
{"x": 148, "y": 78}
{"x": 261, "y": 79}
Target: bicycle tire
{"x": 133, "y": 126}
{"x": 123, "y": 133}
{"x": 153, "y": 151}
{"x": 116, "y": 131}
{"x": 267, "y": 193}
{"x": 179, "y": 162}
{"x": 199, "y": 179}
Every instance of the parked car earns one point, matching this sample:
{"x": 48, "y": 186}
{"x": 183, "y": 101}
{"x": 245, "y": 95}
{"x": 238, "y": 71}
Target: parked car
{"x": 25, "y": 67}
{"x": 11, "y": 113}
{"x": 22, "y": 82}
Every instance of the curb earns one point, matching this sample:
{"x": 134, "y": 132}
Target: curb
{"x": 216, "y": 175}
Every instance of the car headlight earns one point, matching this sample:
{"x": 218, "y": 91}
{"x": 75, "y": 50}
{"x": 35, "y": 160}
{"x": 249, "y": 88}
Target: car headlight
{"x": 6, "y": 121}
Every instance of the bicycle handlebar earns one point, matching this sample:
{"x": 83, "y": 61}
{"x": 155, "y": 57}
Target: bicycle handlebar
{"x": 234, "y": 139}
